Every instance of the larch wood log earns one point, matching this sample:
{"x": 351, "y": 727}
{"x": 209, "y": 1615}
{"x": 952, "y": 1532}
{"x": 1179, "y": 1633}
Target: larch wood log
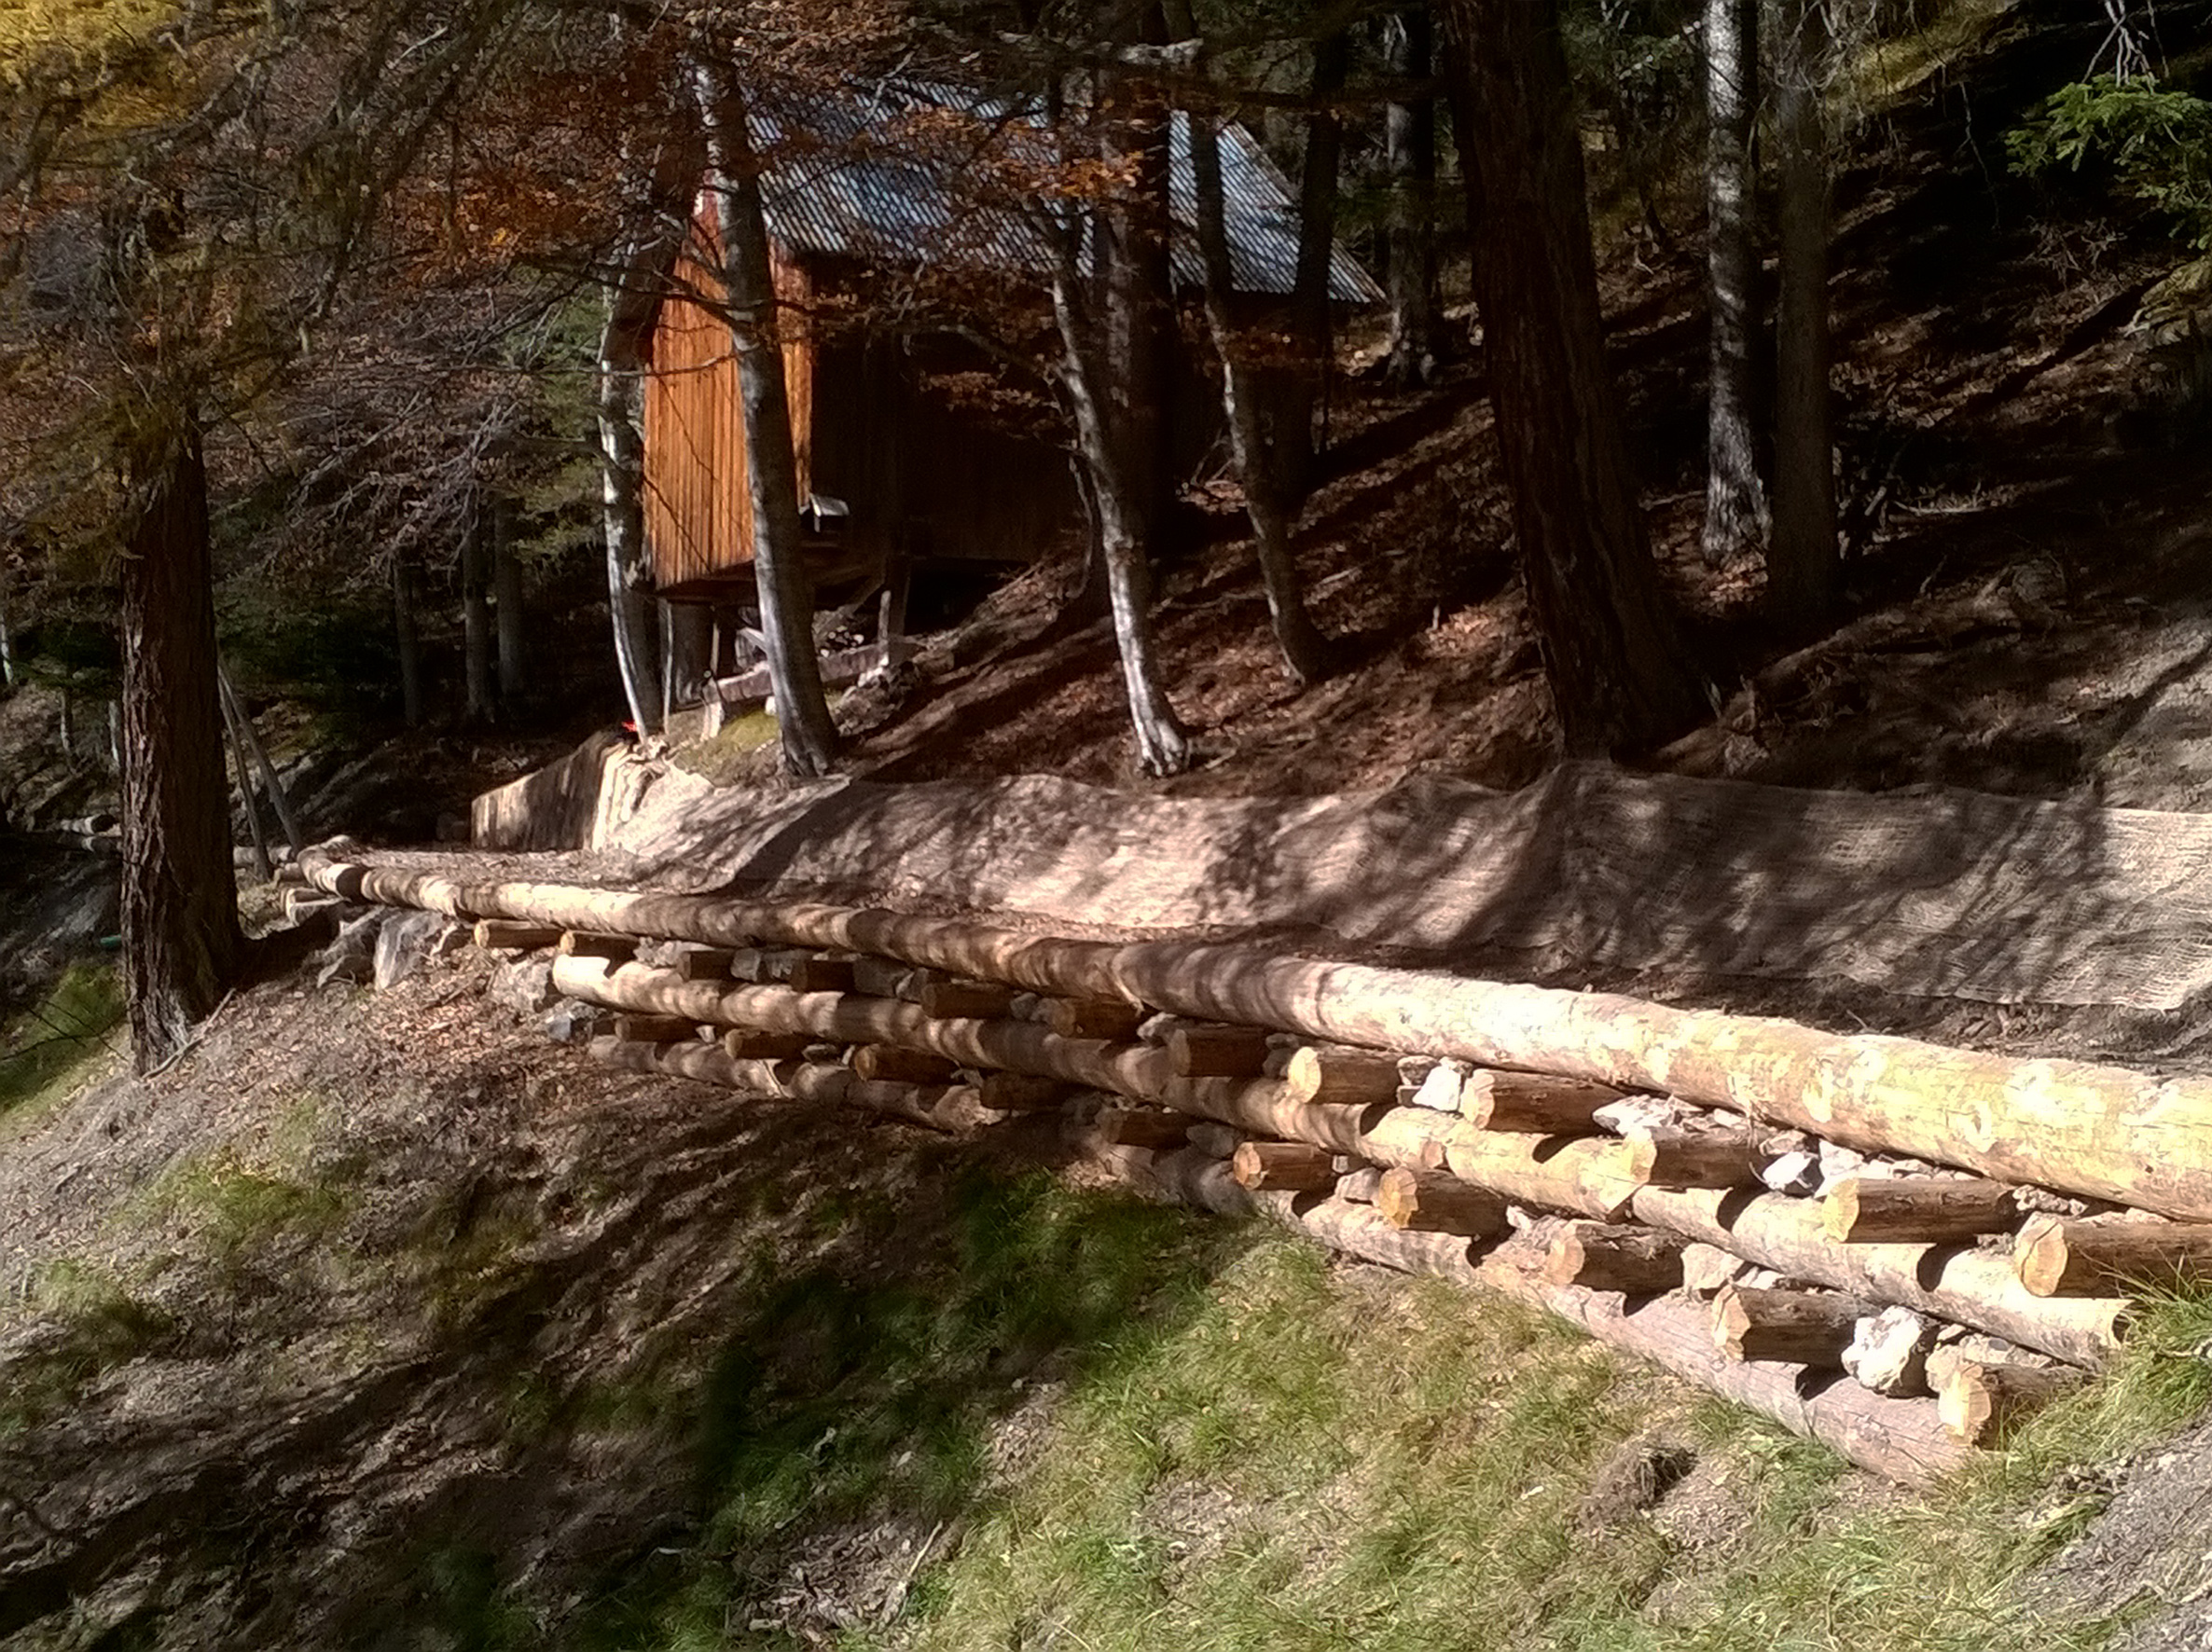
{"x": 1435, "y": 1202}
{"x": 1913, "y": 1210}
{"x": 2058, "y": 1257}
{"x": 951, "y": 1108}
{"x": 1218, "y": 1051}
{"x": 499, "y": 934}
{"x": 745, "y": 1043}
{"x": 1534, "y": 1103}
{"x": 1698, "y": 1159}
{"x": 2105, "y": 1132}
{"x": 1971, "y": 1287}
{"x": 1797, "y": 1327}
{"x": 1614, "y": 1256}
{"x": 976, "y": 1001}
{"x": 901, "y": 1065}
{"x": 583, "y": 944}
{"x": 1094, "y": 1018}
{"x": 655, "y": 1030}
{"x": 1583, "y": 1176}
{"x": 1288, "y": 1167}
{"x": 1978, "y": 1402}
{"x": 1141, "y": 1127}
{"x": 1328, "y": 1074}
{"x": 702, "y": 963}
{"x": 816, "y": 971}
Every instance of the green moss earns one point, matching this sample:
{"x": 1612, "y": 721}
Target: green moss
{"x": 49, "y": 1051}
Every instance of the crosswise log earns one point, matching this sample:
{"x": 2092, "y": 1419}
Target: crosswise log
{"x": 1978, "y": 1401}
{"x": 497, "y": 934}
{"x": 1970, "y": 1287}
{"x": 1427, "y": 1202}
{"x": 953, "y": 1108}
{"x": 2054, "y": 1257}
{"x": 1927, "y": 1210}
{"x": 1538, "y": 1103}
{"x": 1612, "y": 1256}
{"x": 1292, "y": 1166}
{"x": 2106, "y": 1131}
{"x": 1321, "y": 1073}
{"x": 1801, "y": 1327}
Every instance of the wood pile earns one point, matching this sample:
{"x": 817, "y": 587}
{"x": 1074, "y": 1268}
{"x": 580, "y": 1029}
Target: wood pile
{"x": 1897, "y": 1248}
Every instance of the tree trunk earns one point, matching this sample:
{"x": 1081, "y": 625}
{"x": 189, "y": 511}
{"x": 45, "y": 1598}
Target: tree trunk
{"x": 1410, "y": 157}
{"x": 475, "y": 620}
{"x": 1113, "y": 318}
{"x": 245, "y": 789}
{"x": 182, "y": 945}
{"x": 1293, "y": 444}
{"x": 407, "y": 639}
{"x": 280, "y": 803}
{"x": 7, "y": 629}
{"x": 507, "y": 590}
{"x": 1621, "y": 680}
{"x": 1305, "y": 651}
{"x": 687, "y": 657}
{"x": 1735, "y": 512}
{"x": 771, "y": 471}
{"x": 622, "y": 482}
{"x": 1802, "y": 571}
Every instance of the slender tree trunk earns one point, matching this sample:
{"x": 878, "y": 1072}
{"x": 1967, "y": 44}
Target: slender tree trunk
{"x": 235, "y": 705}
{"x": 182, "y": 945}
{"x": 1621, "y": 680}
{"x": 622, "y": 483}
{"x": 475, "y": 620}
{"x": 1735, "y": 512}
{"x": 7, "y": 629}
{"x": 1410, "y": 155}
{"x": 245, "y": 789}
{"x": 408, "y": 638}
{"x": 688, "y": 650}
{"x": 786, "y": 597}
{"x": 68, "y": 728}
{"x": 506, "y": 592}
{"x": 1803, "y": 569}
{"x": 115, "y": 739}
{"x": 1305, "y": 651}
{"x": 1294, "y": 441}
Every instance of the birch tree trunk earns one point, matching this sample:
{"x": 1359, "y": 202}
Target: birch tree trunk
{"x": 1410, "y": 157}
{"x": 1304, "y": 651}
{"x": 182, "y": 945}
{"x": 1803, "y": 571}
{"x": 622, "y": 483}
{"x": 1621, "y": 678}
{"x": 1735, "y": 510}
{"x": 771, "y": 473}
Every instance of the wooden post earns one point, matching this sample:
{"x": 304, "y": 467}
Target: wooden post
{"x": 1924, "y": 1210}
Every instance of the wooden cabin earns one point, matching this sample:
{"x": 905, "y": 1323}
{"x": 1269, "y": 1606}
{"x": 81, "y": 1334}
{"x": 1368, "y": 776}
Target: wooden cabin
{"x": 905, "y": 472}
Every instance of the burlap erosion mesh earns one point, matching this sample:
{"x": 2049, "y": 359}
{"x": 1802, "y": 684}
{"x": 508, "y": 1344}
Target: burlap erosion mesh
{"x": 1932, "y": 892}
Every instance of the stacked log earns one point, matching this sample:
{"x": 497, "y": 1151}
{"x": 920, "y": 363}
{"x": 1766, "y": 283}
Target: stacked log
{"x": 1420, "y": 1108}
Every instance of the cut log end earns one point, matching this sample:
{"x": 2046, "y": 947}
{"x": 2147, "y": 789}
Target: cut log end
{"x": 1433, "y": 1202}
{"x": 1283, "y": 1167}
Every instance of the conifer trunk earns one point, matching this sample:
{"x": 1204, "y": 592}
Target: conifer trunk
{"x": 1621, "y": 678}
{"x": 1410, "y": 156}
{"x": 182, "y": 945}
{"x": 1735, "y": 508}
{"x": 1803, "y": 571}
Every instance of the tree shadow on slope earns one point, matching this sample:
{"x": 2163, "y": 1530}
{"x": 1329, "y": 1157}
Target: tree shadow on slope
{"x": 530, "y": 1355}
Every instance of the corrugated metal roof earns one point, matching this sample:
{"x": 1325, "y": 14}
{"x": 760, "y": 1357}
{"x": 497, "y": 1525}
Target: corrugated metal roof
{"x": 866, "y": 175}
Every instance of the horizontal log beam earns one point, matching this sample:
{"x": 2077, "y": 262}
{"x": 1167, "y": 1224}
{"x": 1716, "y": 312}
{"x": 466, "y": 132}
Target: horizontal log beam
{"x": 2106, "y": 1131}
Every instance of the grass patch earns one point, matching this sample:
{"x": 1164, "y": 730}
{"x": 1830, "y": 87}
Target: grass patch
{"x": 48, "y": 1050}
{"x": 92, "y": 1325}
{"x": 235, "y": 1203}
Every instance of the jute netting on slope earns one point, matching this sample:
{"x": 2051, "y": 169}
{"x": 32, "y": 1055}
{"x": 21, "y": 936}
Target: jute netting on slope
{"x": 1934, "y": 893}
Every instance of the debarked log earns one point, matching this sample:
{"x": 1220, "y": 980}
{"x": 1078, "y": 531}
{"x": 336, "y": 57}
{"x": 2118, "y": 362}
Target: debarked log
{"x": 2106, "y": 1131}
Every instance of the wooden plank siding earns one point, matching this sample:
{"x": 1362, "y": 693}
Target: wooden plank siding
{"x": 698, "y": 511}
